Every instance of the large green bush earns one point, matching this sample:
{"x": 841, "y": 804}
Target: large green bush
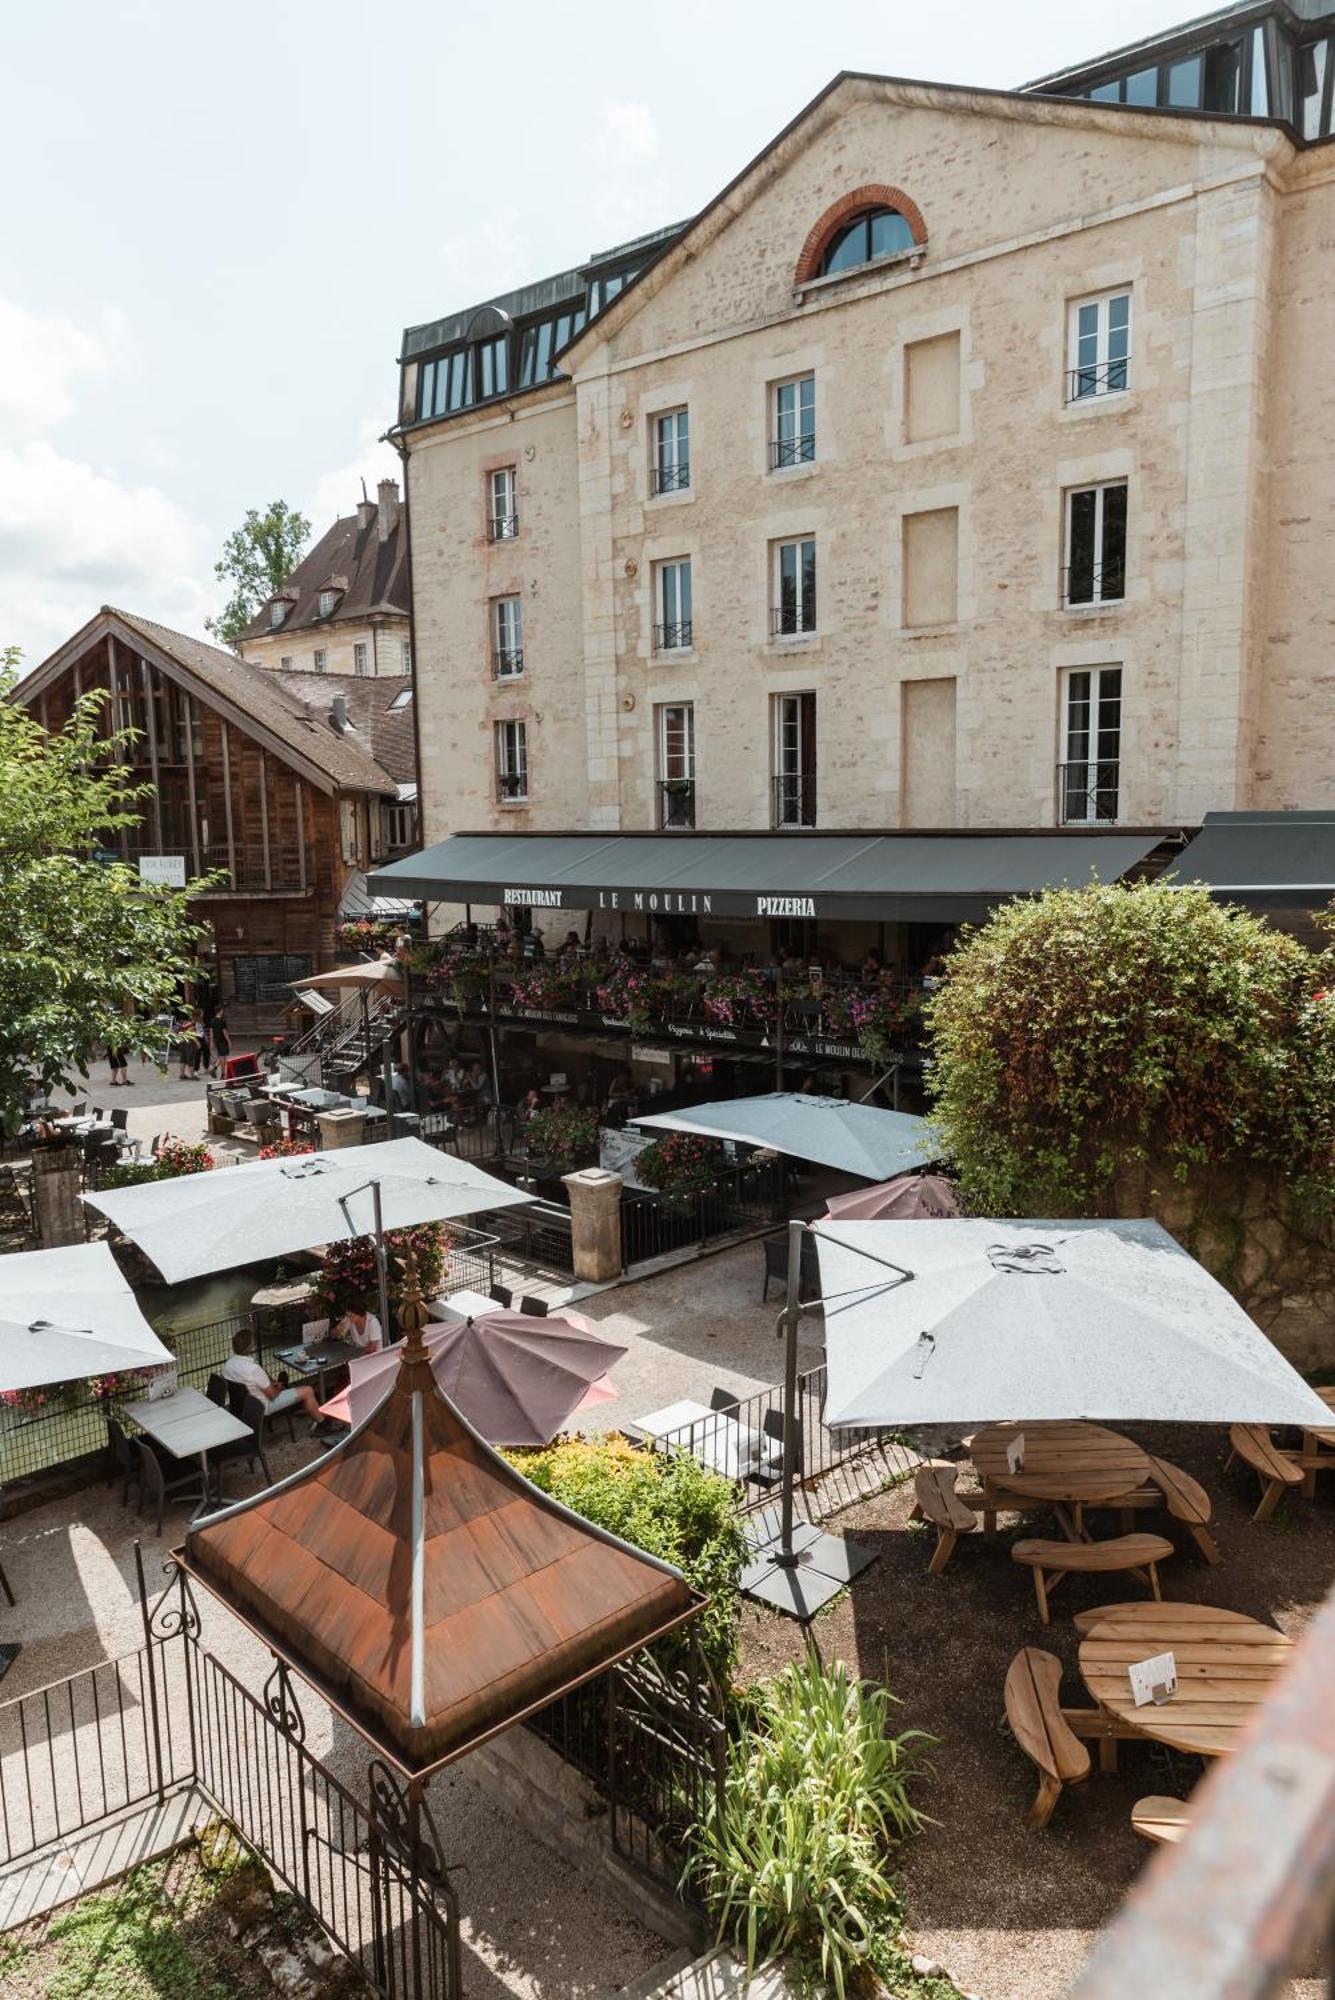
{"x": 1090, "y": 1031}
{"x": 670, "y": 1507}
{"x": 818, "y": 1793}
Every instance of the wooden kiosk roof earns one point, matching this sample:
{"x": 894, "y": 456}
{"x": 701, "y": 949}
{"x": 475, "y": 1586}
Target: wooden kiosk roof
{"x": 423, "y": 1586}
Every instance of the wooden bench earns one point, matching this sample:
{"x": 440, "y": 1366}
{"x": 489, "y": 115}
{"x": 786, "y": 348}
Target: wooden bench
{"x": 1059, "y": 1559}
{"x": 1164, "y": 1821}
{"x": 1034, "y": 1713}
{"x": 1187, "y": 1501}
{"x": 1277, "y": 1472}
{"x": 936, "y": 1500}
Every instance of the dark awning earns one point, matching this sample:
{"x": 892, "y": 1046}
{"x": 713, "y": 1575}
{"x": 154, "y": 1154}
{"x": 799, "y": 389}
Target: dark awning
{"x": 1275, "y": 860}
{"x": 932, "y": 877}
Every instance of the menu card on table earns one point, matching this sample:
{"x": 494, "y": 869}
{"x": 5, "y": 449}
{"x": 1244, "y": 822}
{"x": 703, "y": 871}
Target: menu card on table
{"x": 1153, "y": 1680}
{"x": 1015, "y": 1453}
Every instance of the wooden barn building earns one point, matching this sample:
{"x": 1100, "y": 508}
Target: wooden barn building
{"x": 287, "y": 786}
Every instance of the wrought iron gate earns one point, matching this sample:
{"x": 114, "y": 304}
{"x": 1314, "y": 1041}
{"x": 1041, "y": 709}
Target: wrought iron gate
{"x": 666, "y": 1752}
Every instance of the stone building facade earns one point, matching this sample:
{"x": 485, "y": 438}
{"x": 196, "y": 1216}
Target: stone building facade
{"x": 1009, "y": 531}
{"x": 346, "y": 609}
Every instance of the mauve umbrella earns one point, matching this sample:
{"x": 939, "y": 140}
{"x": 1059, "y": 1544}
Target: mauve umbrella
{"x": 516, "y": 1378}
{"x": 907, "y": 1198}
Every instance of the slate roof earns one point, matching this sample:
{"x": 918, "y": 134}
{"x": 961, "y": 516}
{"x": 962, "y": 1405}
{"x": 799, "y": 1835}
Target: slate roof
{"x": 385, "y": 732}
{"x": 373, "y": 573}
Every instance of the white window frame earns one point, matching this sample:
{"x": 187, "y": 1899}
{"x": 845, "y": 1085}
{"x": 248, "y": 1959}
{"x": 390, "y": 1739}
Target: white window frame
{"x": 277, "y": 613}
{"x": 787, "y": 752}
{"x": 398, "y": 823}
{"x": 800, "y": 447}
{"x": 673, "y": 632}
{"x": 503, "y": 503}
{"x": 670, "y": 464}
{"x": 1099, "y": 595}
{"x": 349, "y": 829}
{"x": 361, "y": 660}
{"x": 511, "y": 748}
{"x": 507, "y": 636}
{"x": 676, "y": 766}
{"x": 801, "y": 630}
{"x": 1092, "y": 761}
{"x": 407, "y": 656}
{"x": 327, "y": 603}
{"x": 321, "y": 660}
{"x": 1102, "y": 366}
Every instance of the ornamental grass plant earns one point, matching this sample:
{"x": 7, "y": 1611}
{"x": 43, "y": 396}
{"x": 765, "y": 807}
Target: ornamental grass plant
{"x": 817, "y": 1796}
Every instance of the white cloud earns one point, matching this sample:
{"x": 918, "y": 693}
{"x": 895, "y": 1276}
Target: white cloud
{"x": 74, "y": 536}
{"x": 337, "y": 492}
{"x": 625, "y": 136}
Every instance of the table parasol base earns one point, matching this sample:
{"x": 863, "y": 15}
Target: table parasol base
{"x": 816, "y": 1570}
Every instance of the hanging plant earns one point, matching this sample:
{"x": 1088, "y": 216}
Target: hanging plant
{"x": 566, "y": 1135}
{"x": 679, "y": 1162}
{"x": 348, "y": 1277}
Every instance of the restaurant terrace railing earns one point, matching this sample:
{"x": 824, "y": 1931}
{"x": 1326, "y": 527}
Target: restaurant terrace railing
{"x": 739, "y": 1199}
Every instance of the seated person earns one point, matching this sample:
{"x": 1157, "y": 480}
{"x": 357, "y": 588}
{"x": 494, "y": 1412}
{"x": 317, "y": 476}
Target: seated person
{"x": 530, "y": 1105}
{"x": 241, "y": 1366}
{"x": 360, "y": 1327}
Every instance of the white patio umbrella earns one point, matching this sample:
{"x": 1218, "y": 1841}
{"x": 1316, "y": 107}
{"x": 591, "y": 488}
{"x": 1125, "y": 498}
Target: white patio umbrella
{"x": 832, "y": 1131}
{"x": 67, "y": 1314}
{"x": 270, "y": 1208}
{"x": 967, "y": 1320}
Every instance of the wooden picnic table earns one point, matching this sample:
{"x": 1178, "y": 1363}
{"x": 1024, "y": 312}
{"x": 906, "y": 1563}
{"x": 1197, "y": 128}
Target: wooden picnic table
{"x": 1318, "y": 1448}
{"x": 1226, "y": 1666}
{"x": 1072, "y": 1464}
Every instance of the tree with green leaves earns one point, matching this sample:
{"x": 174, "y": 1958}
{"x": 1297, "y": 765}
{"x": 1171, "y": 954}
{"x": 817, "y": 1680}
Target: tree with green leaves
{"x": 257, "y": 559}
{"x": 88, "y": 952}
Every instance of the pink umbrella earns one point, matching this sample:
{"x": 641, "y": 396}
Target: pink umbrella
{"x": 906, "y": 1198}
{"x": 516, "y": 1378}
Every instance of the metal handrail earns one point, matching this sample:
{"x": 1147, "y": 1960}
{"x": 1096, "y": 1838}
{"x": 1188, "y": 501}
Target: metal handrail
{"x": 1105, "y": 378}
{"x": 792, "y": 621}
{"x": 792, "y": 451}
{"x": 1106, "y": 583}
{"x": 507, "y": 663}
{"x": 671, "y": 478}
{"x": 675, "y": 637}
{"x": 676, "y": 803}
{"x": 794, "y": 799}
{"x": 1088, "y": 791}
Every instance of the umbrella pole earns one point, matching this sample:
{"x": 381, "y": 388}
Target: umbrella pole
{"x": 792, "y": 1313}
{"x": 381, "y": 1263}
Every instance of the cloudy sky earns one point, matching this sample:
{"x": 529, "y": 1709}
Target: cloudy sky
{"x": 216, "y": 222}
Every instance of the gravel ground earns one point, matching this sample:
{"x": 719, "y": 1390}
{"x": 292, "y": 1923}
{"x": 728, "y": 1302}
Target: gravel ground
{"x": 1012, "y": 1914}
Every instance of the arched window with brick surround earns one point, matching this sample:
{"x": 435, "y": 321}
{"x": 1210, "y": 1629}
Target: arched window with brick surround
{"x": 860, "y": 228}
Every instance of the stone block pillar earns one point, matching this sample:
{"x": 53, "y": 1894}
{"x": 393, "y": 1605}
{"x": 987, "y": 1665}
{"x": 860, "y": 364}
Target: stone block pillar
{"x": 595, "y": 1223}
{"x": 340, "y": 1128}
{"x": 56, "y": 1172}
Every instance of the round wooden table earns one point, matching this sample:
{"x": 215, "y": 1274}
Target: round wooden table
{"x": 1226, "y": 1665}
{"x": 1073, "y": 1465}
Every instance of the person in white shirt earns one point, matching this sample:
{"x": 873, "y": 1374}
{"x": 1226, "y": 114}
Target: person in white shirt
{"x": 241, "y": 1366}
{"x": 362, "y": 1328}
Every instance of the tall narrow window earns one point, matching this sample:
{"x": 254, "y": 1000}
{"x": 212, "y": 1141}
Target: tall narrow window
{"x": 1099, "y": 347}
{"x": 359, "y": 659}
{"x": 286, "y": 663}
{"x": 1088, "y": 776}
{"x": 794, "y": 608}
{"x": 676, "y": 765}
{"x": 328, "y": 599}
{"x": 502, "y": 505}
{"x": 794, "y": 777}
{"x": 407, "y": 656}
{"x": 671, "y": 471}
{"x": 507, "y": 637}
{"x": 321, "y": 659}
{"x": 1095, "y": 545}
{"x": 794, "y": 439}
{"x": 674, "y": 629}
{"x": 511, "y": 761}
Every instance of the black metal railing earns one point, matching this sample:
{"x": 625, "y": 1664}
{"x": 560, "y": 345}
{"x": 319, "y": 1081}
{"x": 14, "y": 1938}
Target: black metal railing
{"x": 676, "y": 803}
{"x": 540, "y": 1234}
{"x": 790, "y": 621}
{"x": 740, "y": 1198}
{"x": 511, "y": 785}
{"x": 794, "y": 798}
{"x": 1102, "y": 378}
{"x": 670, "y": 478}
{"x": 744, "y": 1443}
{"x": 1087, "y": 793}
{"x": 507, "y": 662}
{"x": 674, "y": 637}
{"x": 1099, "y": 583}
{"x": 792, "y": 451}
{"x": 502, "y": 527}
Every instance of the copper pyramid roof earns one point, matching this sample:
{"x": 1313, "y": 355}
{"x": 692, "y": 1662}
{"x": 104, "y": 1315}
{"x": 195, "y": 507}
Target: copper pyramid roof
{"x": 423, "y": 1586}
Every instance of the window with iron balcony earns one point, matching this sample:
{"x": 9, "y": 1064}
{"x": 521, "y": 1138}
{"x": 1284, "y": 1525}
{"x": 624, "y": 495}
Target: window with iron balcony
{"x": 671, "y": 468}
{"x": 676, "y": 766}
{"x": 1095, "y": 568}
{"x": 674, "y": 629}
{"x": 511, "y": 762}
{"x": 1099, "y": 347}
{"x": 507, "y": 638}
{"x": 502, "y": 505}
{"x": 793, "y": 611}
{"x": 794, "y": 423}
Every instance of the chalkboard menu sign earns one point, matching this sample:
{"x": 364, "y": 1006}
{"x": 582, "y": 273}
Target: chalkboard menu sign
{"x": 267, "y": 975}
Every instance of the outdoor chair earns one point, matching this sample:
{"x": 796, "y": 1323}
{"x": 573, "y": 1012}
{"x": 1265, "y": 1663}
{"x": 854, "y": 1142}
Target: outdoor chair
{"x": 255, "y": 1413}
{"x": 502, "y": 1295}
{"x": 155, "y": 1488}
{"x": 724, "y": 1399}
{"x": 770, "y": 1470}
{"x": 1051, "y": 1561}
{"x": 776, "y": 1267}
{"x": 248, "y": 1448}
{"x": 936, "y": 1500}
{"x": 1034, "y": 1714}
{"x": 1277, "y": 1472}
{"x": 124, "y": 1459}
{"x": 536, "y": 1308}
